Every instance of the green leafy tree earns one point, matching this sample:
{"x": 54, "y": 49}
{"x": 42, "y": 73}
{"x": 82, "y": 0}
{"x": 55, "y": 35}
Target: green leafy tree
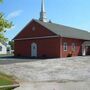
{"x": 4, "y": 25}
{"x": 1, "y": 1}
{"x": 11, "y": 43}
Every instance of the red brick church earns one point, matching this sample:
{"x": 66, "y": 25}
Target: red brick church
{"x": 43, "y": 39}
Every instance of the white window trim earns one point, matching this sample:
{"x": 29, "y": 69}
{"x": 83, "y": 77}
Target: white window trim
{"x": 44, "y": 37}
{"x": 65, "y": 46}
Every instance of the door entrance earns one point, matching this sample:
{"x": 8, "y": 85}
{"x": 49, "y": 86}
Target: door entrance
{"x": 86, "y": 48}
{"x": 88, "y": 51}
{"x": 33, "y": 50}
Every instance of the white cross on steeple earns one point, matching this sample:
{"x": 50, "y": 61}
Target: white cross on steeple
{"x": 43, "y": 12}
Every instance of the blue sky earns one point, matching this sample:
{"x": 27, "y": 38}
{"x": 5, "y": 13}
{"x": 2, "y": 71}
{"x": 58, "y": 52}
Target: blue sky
{"x": 73, "y": 13}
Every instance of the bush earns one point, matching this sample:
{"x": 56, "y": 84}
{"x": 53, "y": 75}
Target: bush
{"x": 69, "y": 54}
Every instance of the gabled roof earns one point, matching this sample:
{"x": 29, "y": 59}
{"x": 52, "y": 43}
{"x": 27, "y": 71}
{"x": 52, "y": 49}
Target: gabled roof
{"x": 65, "y": 31}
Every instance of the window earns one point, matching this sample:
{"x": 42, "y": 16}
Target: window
{"x": 73, "y": 46}
{"x": 65, "y": 46}
{"x": 33, "y": 28}
{"x": 0, "y": 48}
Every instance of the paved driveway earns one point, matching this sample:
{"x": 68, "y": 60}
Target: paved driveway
{"x": 71, "y": 73}
{"x": 12, "y": 60}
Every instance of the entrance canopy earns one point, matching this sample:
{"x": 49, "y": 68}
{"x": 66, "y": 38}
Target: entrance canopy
{"x": 86, "y": 43}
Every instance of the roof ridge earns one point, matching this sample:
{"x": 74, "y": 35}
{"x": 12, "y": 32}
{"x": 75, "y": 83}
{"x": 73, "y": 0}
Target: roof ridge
{"x": 62, "y": 25}
{"x": 66, "y": 31}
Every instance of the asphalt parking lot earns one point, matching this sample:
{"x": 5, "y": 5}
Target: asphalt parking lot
{"x": 11, "y": 60}
{"x": 65, "y": 73}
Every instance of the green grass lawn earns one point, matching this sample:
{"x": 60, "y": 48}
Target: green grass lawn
{"x": 6, "y": 55}
{"x": 6, "y": 80}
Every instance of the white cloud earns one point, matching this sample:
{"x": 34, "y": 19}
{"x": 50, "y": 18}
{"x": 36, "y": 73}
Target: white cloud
{"x": 14, "y": 14}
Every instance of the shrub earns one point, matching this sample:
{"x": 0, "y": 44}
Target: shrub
{"x": 70, "y": 54}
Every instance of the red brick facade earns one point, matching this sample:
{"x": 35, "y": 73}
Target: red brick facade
{"x": 69, "y": 42}
{"x": 46, "y": 47}
{"x": 40, "y": 31}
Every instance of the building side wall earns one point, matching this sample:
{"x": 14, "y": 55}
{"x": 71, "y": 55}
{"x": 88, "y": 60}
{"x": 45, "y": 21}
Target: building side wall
{"x": 69, "y": 42}
{"x": 51, "y": 47}
{"x": 45, "y": 47}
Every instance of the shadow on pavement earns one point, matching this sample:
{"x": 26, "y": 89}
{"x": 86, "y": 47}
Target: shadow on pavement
{"x": 12, "y": 59}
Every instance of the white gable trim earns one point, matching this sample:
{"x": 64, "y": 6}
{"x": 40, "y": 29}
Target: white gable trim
{"x": 23, "y": 28}
{"x": 45, "y": 37}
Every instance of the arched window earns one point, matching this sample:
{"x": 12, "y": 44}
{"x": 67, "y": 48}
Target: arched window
{"x": 0, "y": 48}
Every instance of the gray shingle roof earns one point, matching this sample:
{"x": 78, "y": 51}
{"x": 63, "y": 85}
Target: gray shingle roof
{"x": 66, "y": 31}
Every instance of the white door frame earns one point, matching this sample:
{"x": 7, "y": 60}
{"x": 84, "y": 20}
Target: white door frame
{"x": 85, "y": 47}
{"x": 84, "y": 50}
{"x": 33, "y": 50}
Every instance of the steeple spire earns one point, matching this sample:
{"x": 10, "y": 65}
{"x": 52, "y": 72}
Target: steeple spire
{"x": 43, "y": 12}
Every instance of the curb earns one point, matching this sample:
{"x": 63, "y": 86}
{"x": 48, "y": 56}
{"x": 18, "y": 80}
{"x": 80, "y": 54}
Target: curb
{"x": 10, "y": 86}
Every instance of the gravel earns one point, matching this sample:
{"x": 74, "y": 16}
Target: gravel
{"x": 62, "y": 71}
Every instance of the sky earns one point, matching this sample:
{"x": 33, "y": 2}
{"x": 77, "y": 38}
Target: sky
{"x": 73, "y": 13}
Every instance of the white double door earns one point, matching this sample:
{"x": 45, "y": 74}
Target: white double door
{"x": 33, "y": 50}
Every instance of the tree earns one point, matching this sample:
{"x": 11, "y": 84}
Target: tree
{"x": 4, "y": 25}
{"x": 11, "y": 43}
{"x": 1, "y": 1}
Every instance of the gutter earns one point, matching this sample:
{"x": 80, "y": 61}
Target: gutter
{"x": 9, "y": 86}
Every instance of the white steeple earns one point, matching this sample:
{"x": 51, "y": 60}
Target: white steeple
{"x": 43, "y": 12}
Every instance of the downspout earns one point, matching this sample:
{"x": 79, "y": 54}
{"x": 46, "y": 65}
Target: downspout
{"x": 83, "y": 49}
{"x": 61, "y": 47}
